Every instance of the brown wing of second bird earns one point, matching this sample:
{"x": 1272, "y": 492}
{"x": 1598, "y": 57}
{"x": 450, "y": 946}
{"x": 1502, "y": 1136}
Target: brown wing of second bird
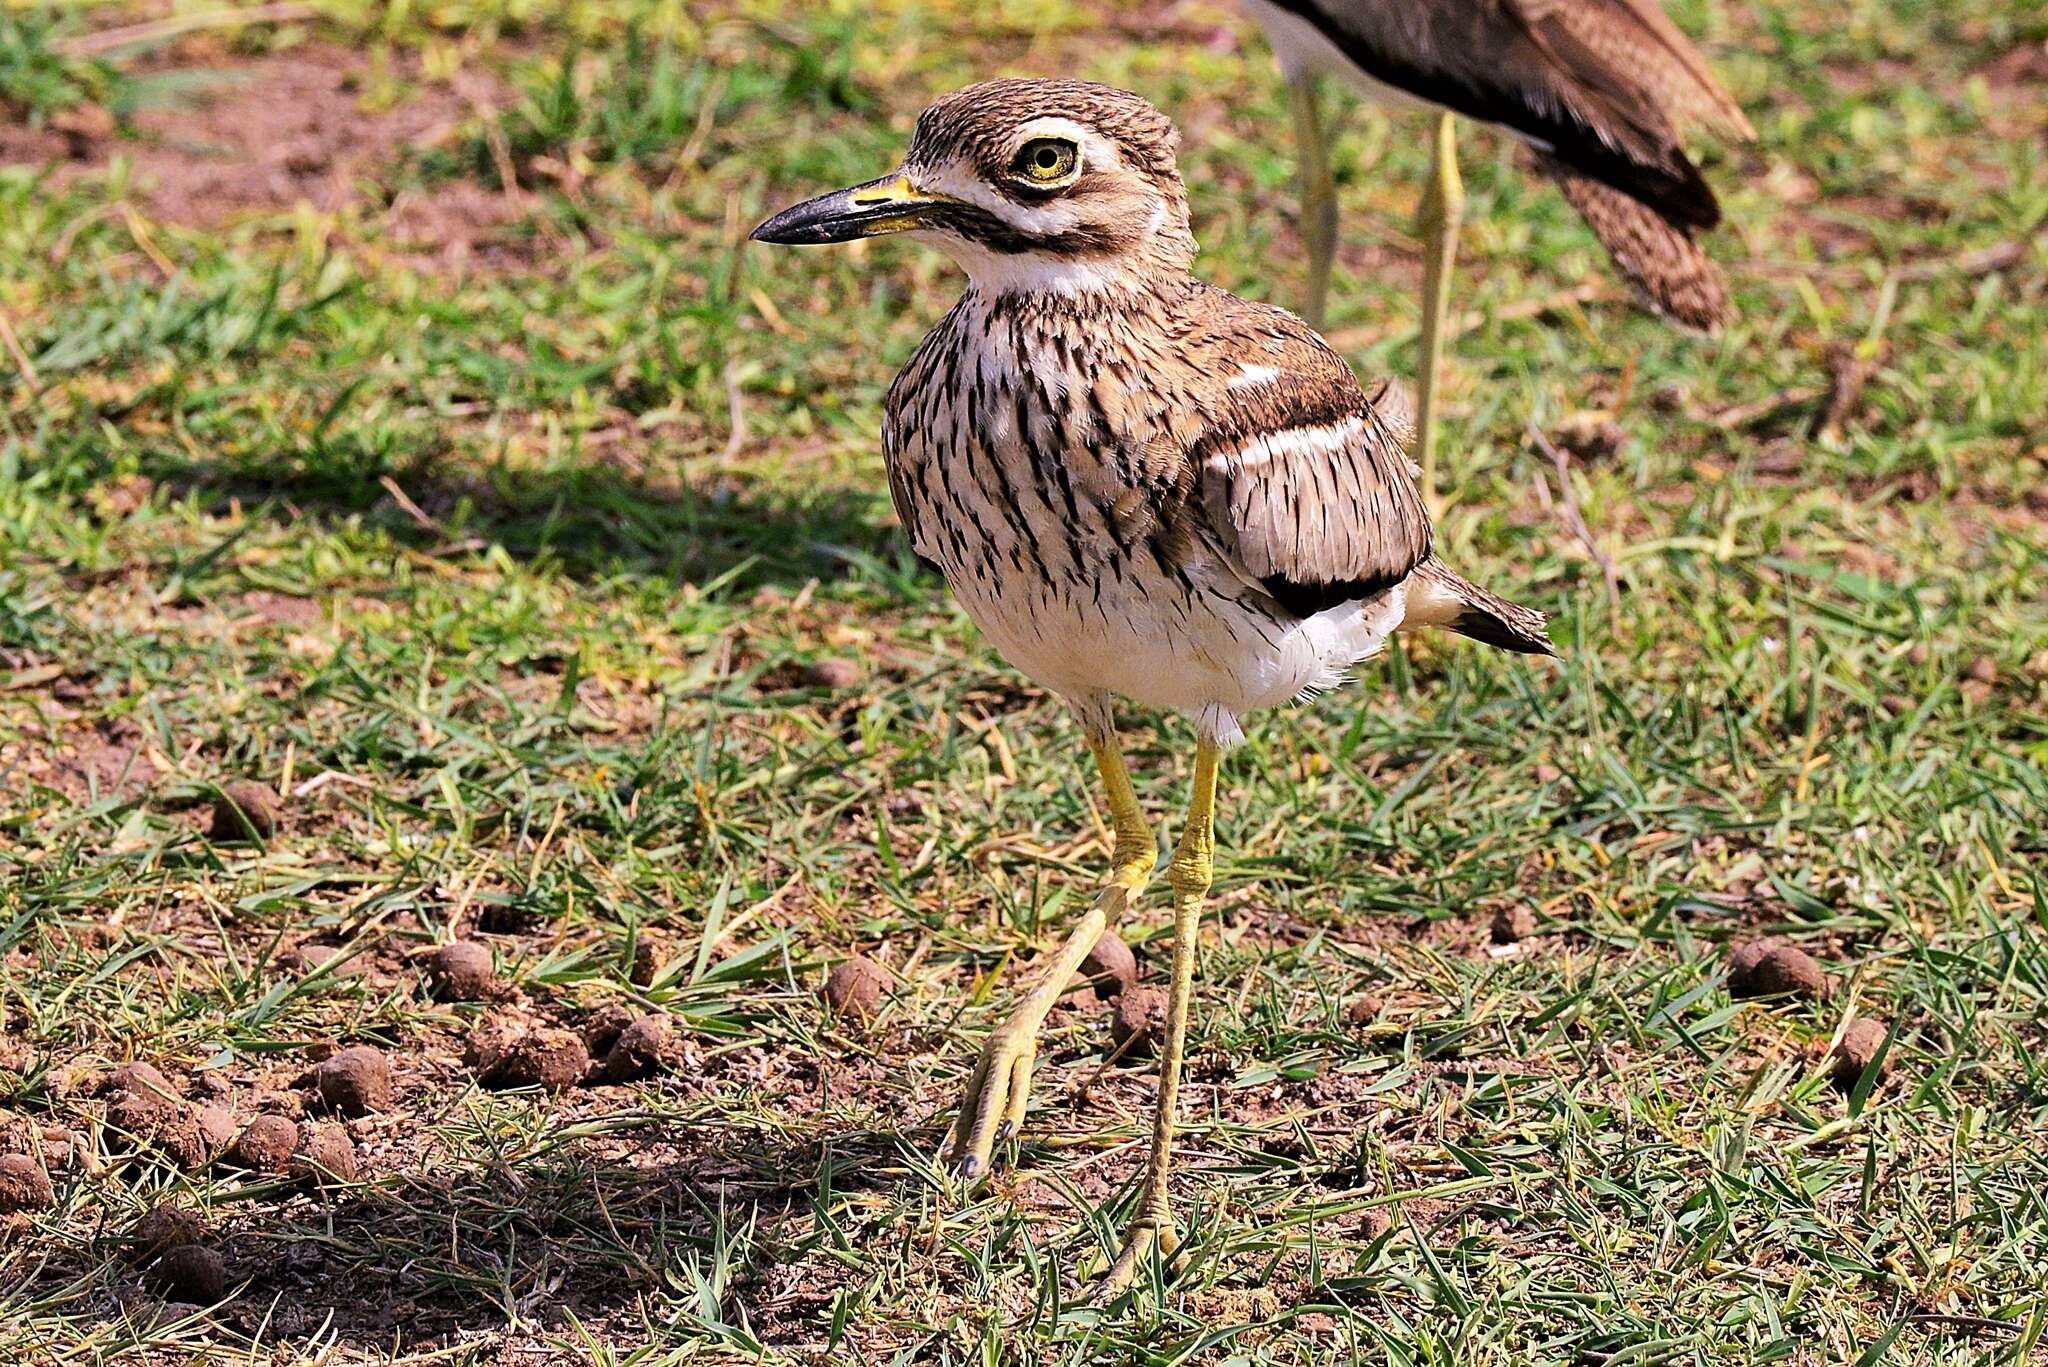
{"x": 1603, "y": 89}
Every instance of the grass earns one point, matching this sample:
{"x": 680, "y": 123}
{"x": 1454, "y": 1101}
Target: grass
{"x": 518, "y": 575}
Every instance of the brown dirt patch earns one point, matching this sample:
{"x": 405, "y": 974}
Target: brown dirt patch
{"x": 265, "y": 134}
{"x": 2021, "y": 70}
{"x": 88, "y": 763}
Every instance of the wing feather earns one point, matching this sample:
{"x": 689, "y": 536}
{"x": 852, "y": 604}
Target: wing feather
{"x": 1605, "y": 86}
{"x": 1304, "y": 479}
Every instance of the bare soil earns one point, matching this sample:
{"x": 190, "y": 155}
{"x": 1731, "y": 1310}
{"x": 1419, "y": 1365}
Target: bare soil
{"x": 261, "y": 135}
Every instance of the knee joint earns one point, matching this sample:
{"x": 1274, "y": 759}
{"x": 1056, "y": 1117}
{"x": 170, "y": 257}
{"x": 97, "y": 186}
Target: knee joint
{"x": 1192, "y": 872}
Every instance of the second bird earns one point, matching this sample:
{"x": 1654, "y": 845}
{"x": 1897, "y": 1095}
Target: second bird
{"x": 1604, "y": 92}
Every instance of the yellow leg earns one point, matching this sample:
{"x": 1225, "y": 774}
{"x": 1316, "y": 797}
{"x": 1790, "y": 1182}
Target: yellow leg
{"x": 1190, "y": 873}
{"x": 1318, "y": 196}
{"x": 1000, "y": 1090}
{"x": 1443, "y": 206}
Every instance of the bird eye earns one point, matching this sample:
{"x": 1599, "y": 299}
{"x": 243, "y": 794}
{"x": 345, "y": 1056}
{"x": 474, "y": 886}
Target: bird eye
{"x": 1045, "y": 161}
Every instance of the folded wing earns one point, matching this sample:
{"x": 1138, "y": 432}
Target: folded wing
{"x": 1304, "y": 479}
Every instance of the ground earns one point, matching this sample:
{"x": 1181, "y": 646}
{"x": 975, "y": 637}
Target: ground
{"x": 394, "y": 415}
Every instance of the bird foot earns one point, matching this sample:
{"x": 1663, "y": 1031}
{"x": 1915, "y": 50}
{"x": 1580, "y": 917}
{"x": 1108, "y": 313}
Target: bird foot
{"x": 1147, "y": 1233}
{"x": 997, "y": 1096}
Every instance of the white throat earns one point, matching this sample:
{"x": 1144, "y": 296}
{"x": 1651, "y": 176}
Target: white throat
{"x": 996, "y": 273}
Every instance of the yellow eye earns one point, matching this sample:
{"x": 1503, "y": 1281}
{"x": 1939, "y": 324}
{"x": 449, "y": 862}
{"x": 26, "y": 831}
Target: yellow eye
{"x": 1045, "y": 161}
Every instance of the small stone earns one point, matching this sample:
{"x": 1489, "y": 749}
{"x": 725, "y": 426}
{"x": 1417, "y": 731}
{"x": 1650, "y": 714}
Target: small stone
{"x": 267, "y": 1145}
{"x": 1984, "y": 670}
{"x": 547, "y": 1058}
{"x": 356, "y": 1081}
{"x": 854, "y": 990}
{"x": 66, "y": 1150}
{"x": 1548, "y": 773}
{"x": 245, "y": 811}
{"x": 492, "y": 1041}
{"x": 602, "y": 1030}
{"x": 1775, "y": 968}
{"x": 1110, "y": 967}
{"x": 326, "y": 1156}
{"x": 190, "y": 1273}
{"x": 131, "y": 1077}
{"x": 1139, "y": 1023}
{"x": 146, "y": 1120}
{"x": 217, "y": 1127}
{"x": 1365, "y": 1009}
{"x": 23, "y": 1184}
{"x": 1857, "y": 1050}
{"x": 461, "y": 972}
{"x": 641, "y": 1050}
{"x": 833, "y": 674}
{"x": 161, "y": 1228}
{"x": 1511, "y": 924}
{"x": 648, "y": 961}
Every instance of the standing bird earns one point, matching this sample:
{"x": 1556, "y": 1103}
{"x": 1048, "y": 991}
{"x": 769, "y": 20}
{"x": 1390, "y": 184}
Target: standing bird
{"x": 1603, "y": 90}
{"x": 1139, "y": 486}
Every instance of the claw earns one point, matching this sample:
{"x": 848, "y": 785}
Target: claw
{"x": 992, "y": 1109}
{"x": 1145, "y": 1233}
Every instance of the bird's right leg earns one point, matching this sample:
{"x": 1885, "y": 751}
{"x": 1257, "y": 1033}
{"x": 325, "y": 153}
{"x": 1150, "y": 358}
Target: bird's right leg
{"x": 1443, "y": 207}
{"x": 1000, "y": 1090}
{"x": 1318, "y": 194}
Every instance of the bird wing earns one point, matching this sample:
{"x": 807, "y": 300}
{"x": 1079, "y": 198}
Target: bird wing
{"x": 1637, "y": 37}
{"x": 1303, "y": 479}
{"x": 1604, "y": 85}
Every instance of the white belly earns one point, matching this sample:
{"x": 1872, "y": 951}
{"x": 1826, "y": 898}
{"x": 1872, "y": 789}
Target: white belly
{"x": 1211, "y": 658}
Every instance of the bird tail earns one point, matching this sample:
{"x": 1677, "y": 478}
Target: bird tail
{"x": 1437, "y": 596}
{"x": 1660, "y": 260}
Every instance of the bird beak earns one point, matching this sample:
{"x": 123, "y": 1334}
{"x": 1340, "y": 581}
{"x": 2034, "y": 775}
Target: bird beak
{"x": 889, "y": 205}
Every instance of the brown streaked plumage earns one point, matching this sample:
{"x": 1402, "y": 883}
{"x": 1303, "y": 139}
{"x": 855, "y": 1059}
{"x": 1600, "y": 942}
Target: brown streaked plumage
{"x": 1140, "y": 487}
{"x": 1662, "y": 262}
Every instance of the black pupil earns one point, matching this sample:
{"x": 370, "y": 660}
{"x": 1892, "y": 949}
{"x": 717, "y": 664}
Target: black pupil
{"x": 1047, "y": 158}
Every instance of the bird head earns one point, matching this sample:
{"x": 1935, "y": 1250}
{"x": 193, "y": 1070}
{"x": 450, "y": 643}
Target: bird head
{"x": 1031, "y": 185}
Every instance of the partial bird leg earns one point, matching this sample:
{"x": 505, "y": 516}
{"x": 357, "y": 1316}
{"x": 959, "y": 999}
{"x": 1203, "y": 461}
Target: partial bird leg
{"x": 1318, "y": 194}
{"x": 1000, "y": 1091}
{"x": 1443, "y": 207}
{"x": 1190, "y": 873}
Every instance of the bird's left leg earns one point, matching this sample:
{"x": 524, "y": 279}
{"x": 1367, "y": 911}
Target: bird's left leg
{"x": 1000, "y": 1091}
{"x": 1190, "y": 873}
{"x": 1318, "y": 194}
{"x": 1443, "y": 208}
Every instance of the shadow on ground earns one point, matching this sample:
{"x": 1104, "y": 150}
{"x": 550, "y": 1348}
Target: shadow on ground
{"x": 589, "y": 520}
{"x": 573, "y": 1236}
